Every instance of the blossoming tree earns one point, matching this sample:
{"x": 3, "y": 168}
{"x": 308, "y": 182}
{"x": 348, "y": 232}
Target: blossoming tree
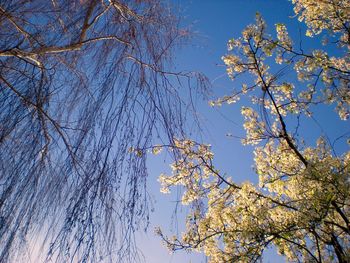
{"x": 301, "y": 204}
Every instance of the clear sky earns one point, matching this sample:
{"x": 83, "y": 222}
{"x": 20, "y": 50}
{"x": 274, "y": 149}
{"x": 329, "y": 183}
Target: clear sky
{"x": 214, "y": 22}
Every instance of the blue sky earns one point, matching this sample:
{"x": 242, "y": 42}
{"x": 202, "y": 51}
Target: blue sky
{"x": 213, "y": 23}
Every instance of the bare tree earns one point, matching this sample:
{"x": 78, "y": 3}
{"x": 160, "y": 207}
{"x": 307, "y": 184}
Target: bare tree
{"x": 82, "y": 83}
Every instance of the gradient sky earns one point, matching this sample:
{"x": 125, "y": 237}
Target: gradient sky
{"x": 214, "y": 22}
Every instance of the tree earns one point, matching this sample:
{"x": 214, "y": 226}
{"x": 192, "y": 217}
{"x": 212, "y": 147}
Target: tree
{"x": 302, "y": 202}
{"x": 85, "y": 88}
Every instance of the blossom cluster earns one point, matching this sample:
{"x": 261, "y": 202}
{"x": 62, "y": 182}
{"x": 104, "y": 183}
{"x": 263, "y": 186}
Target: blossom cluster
{"x": 301, "y": 204}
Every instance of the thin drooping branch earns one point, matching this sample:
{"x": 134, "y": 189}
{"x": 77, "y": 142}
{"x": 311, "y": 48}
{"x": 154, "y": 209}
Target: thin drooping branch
{"x": 82, "y": 83}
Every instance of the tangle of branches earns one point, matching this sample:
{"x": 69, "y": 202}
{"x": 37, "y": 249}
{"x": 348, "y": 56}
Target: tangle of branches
{"x": 81, "y": 82}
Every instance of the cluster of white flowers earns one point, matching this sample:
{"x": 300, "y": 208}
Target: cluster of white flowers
{"x": 302, "y": 201}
